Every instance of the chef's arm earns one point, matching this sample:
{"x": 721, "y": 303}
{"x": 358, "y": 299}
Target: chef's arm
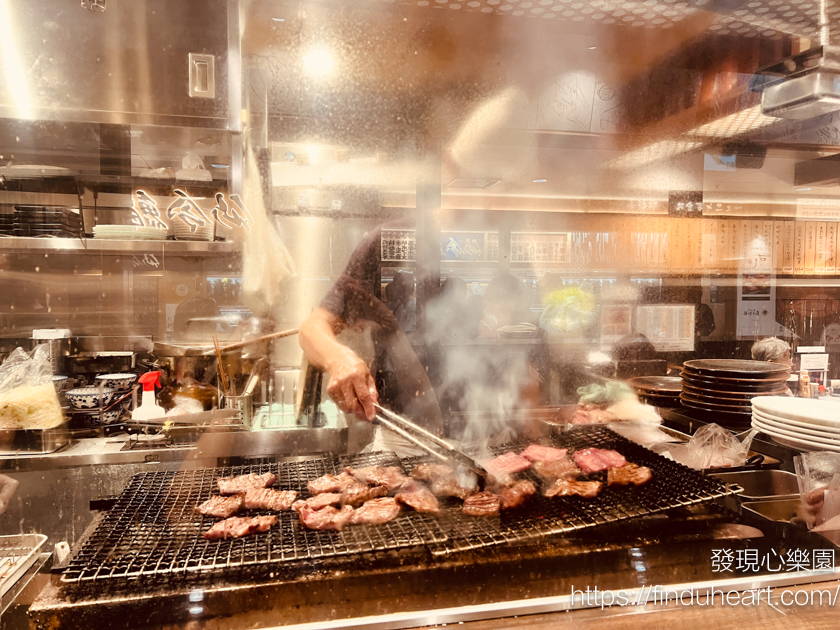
{"x": 351, "y": 384}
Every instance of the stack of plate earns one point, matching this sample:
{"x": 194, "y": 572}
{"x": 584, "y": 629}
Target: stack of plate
{"x": 517, "y": 331}
{"x": 183, "y": 231}
{"x": 659, "y": 391}
{"x": 801, "y": 423}
{"x": 129, "y": 232}
{"x": 723, "y": 388}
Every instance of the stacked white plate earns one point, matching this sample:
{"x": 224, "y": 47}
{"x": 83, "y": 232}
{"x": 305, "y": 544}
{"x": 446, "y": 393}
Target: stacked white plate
{"x": 183, "y": 232}
{"x": 129, "y": 232}
{"x": 801, "y": 423}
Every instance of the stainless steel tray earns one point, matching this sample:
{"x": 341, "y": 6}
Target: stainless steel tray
{"x": 17, "y": 554}
{"x": 35, "y": 441}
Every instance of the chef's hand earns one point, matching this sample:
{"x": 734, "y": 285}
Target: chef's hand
{"x": 7, "y": 491}
{"x": 351, "y": 385}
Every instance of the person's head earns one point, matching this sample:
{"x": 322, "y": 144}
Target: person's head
{"x": 400, "y": 289}
{"x": 504, "y": 298}
{"x": 771, "y": 349}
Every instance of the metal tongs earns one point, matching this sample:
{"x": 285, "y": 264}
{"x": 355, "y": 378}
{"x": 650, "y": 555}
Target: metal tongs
{"x": 401, "y": 426}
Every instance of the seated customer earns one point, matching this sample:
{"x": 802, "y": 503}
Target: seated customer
{"x": 772, "y": 349}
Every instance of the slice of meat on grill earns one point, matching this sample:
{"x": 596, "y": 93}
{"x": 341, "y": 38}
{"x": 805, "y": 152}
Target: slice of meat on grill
{"x": 593, "y": 460}
{"x": 503, "y": 466}
{"x": 221, "y": 507}
{"x": 514, "y": 496}
{"x": 239, "y": 526}
{"x": 377, "y": 511}
{"x": 430, "y": 472}
{"x": 629, "y": 475}
{"x": 449, "y": 487}
{"x": 549, "y": 471}
{"x": 268, "y": 499}
{"x": 391, "y": 477}
{"x": 420, "y": 499}
{"x": 329, "y": 518}
{"x": 566, "y": 487}
{"x": 330, "y": 483}
{"x": 320, "y": 501}
{"x": 539, "y": 453}
{"x": 483, "y": 504}
{"x": 359, "y": 492}
{"x": 243, "y": 483}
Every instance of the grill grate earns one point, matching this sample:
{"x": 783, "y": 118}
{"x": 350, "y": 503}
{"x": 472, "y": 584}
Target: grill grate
{"x": 673, "y": 485}
{"x": 153, "y": 529}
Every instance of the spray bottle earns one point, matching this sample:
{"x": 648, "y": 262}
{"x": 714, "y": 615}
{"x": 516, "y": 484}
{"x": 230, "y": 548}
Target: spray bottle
{"x": 148, "y": 408}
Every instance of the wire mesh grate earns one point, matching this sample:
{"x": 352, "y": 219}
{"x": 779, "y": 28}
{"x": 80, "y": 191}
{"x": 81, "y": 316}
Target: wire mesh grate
{"x": 153, "y": 529}
{"x": 672, "y": 486}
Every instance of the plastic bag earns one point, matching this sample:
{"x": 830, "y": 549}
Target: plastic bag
{"x": 611, "y": 392}
{"x": 711, "y": 446}
{"x": 818, "y": 475}
{"x": 613, "y": 402}
{"x": 27, "y": 396}
{"x": 265, "y": 259}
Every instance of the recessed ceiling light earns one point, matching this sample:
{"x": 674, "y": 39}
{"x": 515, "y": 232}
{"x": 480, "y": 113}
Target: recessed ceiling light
{"x": 540, "y": 181}
{"x": 803, "y": 189}
{"x": 318, "y": 62}
{"x": 279, "y": 19}
{"x": 592, "y": 47}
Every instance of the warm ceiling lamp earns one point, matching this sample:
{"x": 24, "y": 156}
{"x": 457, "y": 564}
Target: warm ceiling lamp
{"x": 318, "y": 62}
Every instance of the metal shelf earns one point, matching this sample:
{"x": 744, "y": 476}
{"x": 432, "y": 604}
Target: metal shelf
{"x": 24, "y": 244}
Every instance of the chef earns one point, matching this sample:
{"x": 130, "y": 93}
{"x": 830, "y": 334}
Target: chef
{"x": 358, "y": 340}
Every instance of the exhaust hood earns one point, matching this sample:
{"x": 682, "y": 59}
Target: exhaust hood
{"x": 809, "y": 85}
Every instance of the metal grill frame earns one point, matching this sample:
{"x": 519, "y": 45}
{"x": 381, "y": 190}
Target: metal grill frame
{"x": 153, "y": 529}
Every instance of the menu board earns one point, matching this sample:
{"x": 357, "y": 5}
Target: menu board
{"x": 830, "y": 247}
{"x": 669, "y": 327}
{"x": 819, "y": 263}
{"x": 788, "y": 246}
{"x": 799, "y": 247}
{"x": 810, "y": 247}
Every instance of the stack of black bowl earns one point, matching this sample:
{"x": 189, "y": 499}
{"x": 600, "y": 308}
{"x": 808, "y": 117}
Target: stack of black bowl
{"x": 659, "y": 391}
{"x": 720, "y": 390}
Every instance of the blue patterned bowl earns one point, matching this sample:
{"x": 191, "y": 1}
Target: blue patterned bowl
{"x": 88, "y": 397}
{"x": 120, "y": 383}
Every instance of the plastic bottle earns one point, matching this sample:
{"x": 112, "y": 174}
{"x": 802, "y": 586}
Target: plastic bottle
{"x": 148, "y": 408}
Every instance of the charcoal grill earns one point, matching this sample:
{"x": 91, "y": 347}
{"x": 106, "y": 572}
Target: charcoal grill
{"x": 153, "y": 530}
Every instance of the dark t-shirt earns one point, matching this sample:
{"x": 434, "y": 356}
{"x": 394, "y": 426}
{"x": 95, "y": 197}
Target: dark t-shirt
{"x": 401, "y": 380}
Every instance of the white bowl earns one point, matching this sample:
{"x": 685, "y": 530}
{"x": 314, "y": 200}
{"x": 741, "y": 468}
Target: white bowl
{"x": 89, "y": 397}
{"x": 120, "y": 383}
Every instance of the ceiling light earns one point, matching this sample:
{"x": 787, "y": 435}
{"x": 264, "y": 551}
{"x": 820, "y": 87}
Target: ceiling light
{"x": 318, "y": 62}
{"x": 279, "y": 19}
{"x": 540, "y": 181}
{"x": 592, "y": 47}
{"x": 803, "y": 189}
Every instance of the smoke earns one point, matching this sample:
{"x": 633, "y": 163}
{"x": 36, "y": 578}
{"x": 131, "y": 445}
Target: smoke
{"x": 481, "y": 381}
